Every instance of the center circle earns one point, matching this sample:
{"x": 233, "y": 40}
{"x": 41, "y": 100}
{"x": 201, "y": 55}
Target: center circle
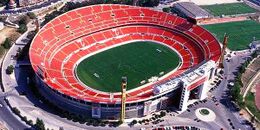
{"x": 139, "y": 61}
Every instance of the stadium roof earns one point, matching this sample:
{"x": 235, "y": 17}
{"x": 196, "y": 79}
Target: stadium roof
{"x": 192, "y": 10}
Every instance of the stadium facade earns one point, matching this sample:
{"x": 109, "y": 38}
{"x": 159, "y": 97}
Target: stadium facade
{"x": 61, "y": 43}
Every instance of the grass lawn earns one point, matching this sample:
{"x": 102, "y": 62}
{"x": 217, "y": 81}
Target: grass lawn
{"x": 138, "y": 61}
{"x": 204, "y": 112}
{"x": 2, "y": 50}
{"x": 228, "y": 9}
{"x": 240, "y": 33}
{"x": 250, "y": 104}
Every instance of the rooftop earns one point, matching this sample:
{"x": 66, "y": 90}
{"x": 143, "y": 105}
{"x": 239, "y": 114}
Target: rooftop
{"x": 191, "y": 10}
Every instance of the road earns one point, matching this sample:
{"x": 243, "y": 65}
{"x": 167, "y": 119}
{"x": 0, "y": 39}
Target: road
{"x": 222, "y": 92}
{"x": 32, "y": 108}
{"x": 222, "y": 105}
{"x": 223, "y": 111}
{"x": 13, "y": 122}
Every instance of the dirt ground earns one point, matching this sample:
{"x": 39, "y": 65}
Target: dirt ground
{"x": 221, "y": 20}
{"x": 2, "y": 127}
{"x": 8, "y": 32}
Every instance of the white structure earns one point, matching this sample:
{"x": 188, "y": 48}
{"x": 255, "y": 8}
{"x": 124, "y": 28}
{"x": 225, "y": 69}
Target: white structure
{"x": 197, "y": 78}
{"x": 1, "y": 26}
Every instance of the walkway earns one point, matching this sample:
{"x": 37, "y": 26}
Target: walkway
{"x": 11, "y": 120}
{"x": 32, "y": 8}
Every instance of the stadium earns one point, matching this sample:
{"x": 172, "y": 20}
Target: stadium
{"x": 80, "y": 56}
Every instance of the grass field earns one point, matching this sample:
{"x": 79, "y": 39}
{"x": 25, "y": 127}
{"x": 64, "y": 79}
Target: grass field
{"x": 138, "y": 61}
{"x": 228, "y": 9}
{"x": 240, "y": 33}
{"x": 250, "y": 104}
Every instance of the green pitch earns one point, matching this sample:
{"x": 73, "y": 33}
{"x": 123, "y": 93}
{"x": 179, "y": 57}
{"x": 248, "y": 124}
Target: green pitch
{"x": 138, "y": 61}
{"x": 240, "y": 33}
{"x": 228, "y": 9}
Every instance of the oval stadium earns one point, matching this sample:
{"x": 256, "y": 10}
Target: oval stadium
{"x": 80, "y": 57}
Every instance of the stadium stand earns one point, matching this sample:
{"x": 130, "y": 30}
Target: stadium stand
{"x": 257, "y": 2}
{"x": 65, "y": 41}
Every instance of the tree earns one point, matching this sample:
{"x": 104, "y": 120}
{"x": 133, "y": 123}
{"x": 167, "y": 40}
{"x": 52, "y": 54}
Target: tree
{"x": 2, "y": 50}
{"x": 16, "y": 111}
{"x": 31, "y": 15}
{"x": 24, "y": 20}
{"x": 39, "y": 125}
{"x": 148, "y": 3}
{"x": 252, "y": 119}
{"x": 3, "y": 2}
{"x": 22, "y": 28}
{"x": 167, "y": 9}
{"x": 254, "y": 55}
{"x": 134, "y": 122}
{"x": 162, "y": 114}
{"x": 7, "y": 43}
{"x": 234, "y": 93}
{"x": 30, "y": 122}
{"x": 10, "y": 69}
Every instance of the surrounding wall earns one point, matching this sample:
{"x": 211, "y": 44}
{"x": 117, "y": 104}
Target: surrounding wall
{"x": 104, "y": 111}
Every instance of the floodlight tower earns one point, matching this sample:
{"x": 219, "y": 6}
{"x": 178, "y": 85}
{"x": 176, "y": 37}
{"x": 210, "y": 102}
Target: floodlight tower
{"x": 123, "y": 98}
{"x": 223, "y": 51}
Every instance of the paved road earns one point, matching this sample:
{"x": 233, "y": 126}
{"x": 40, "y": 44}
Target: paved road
{"x": 224, "y": 109}
{"x": 13, "y": 122}
{"x": 222, "y": 93}
{"x": 32, "y": 108}
{"x": 186, "y": 118}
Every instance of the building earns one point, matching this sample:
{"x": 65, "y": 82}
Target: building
{"x": 257, "y": 2}
{"x": 56, "y": 49}
{"x": 24, "y": 3}
{"x": 190, "y": 11}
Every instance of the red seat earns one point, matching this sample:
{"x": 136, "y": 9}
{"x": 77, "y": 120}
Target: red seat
{"x": 103, "y": 26}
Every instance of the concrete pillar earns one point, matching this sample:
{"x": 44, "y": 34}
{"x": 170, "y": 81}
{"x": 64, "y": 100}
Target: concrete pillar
{"x": 203, "y": 91}
{"x": 184, "y": 99}
{"x": 203, "y": 88}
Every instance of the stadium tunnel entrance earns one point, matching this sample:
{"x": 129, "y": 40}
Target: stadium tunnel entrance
{"x": 194, "y": 94}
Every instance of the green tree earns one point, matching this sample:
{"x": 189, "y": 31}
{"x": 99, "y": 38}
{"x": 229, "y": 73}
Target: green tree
{"x": 254, "y": 55}
{"x": 22, "y": 28}
{"x": 162, "y": 113}
{"x": 235, "y": 91}
{"x": 7, "y": 43}
{"x": 2, "y": 51}
{"x": 24, "y": 20}
{"x": 30, "y": 122}
{"x": 16, "y": 111}
{"x": 10, "y": 69}
{"x": 167, "y": 9}
{"x": 39, "y": 125}
{"x": 31, "y": 15}
{"x": 3, "y": 2}
{"x": 148, "y": 3}
{"x": 134, "y": 122}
